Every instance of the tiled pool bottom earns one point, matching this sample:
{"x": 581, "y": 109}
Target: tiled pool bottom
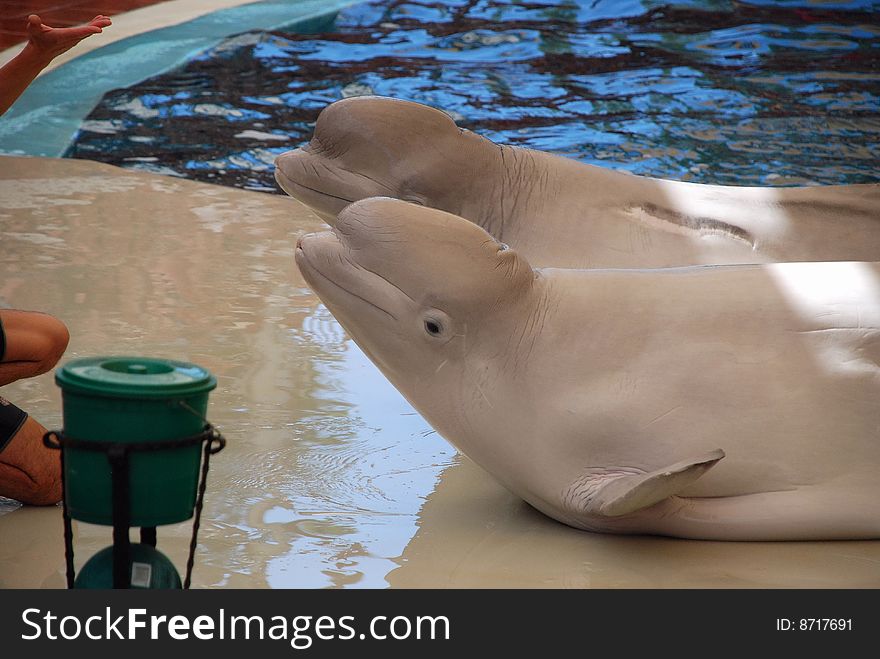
{"x": 329, "y": 479}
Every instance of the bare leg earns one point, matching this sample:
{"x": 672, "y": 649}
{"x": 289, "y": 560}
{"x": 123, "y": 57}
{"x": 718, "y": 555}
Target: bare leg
{"x": 34, "y": 344}
{"x": 30, "y": 472}
{"x": 44, "y": 44}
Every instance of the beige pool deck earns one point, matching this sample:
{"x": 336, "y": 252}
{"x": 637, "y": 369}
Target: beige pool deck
{"x": 319, "y": 486}
{"x": 138, "y": 263}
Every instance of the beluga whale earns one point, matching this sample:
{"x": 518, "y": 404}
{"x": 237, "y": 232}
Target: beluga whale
{"x": 726, "y": 402}
{"x": 558, "y": 212}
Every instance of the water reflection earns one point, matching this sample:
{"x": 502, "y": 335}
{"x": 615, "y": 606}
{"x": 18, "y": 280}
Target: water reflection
{"x": 376, "y": 462}
{"x": 326, "y": 465}
{"x": 710, "y": 91}
{"x": 475, "y": 534}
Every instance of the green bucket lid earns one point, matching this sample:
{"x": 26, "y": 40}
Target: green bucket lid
{"x": 134, "y": 377}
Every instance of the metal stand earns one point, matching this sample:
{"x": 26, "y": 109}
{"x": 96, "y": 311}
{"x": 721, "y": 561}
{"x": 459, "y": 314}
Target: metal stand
{"x": 118, "y": 456}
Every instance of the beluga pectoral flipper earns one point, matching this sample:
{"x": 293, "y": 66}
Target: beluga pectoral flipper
{"x": 612, "y": 496}
{"x": 575, "y": 387}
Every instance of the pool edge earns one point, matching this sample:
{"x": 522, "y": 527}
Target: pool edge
{"x": 66, "y": 94}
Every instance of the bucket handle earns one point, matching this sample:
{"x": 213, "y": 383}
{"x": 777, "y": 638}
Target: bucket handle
{"x": 214, "y": 443}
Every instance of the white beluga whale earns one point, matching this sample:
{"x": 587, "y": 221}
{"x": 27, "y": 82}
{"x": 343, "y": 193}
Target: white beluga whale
{"x": 562, "y": 213}
{"x": 733, "y": 402}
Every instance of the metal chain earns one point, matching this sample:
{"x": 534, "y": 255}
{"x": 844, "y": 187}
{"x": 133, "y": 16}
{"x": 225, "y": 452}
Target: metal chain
{"x": 68, "y": 527}
{"x": 200, "y": 499}
{"x": 55, "y": 439}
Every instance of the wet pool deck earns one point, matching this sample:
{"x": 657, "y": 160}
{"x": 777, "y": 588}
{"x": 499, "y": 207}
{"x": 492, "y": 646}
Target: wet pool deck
{"x": 475, "y": 534}
{"x": 146, "y": 264}
{"x": 149, "y": 265}
{"x": 143, "y": 264}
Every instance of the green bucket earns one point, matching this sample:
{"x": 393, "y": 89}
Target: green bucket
{"x": 132, "y": 400}
{"x": 148, "y": 568}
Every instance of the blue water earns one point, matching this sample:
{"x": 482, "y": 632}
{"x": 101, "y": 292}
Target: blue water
{"x": 743, "y": 93}
{"x": 44, "y": 121}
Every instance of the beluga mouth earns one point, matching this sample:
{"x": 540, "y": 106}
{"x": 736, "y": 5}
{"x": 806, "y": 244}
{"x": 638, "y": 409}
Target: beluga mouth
{"x": 326, "y": 263}
{"x": 367, "y": 147}
{"x": 294, "y": 187}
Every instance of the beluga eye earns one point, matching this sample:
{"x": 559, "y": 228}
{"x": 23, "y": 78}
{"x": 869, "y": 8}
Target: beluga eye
{"x": 437, "y": 325}
{"x": 433, "y": 328}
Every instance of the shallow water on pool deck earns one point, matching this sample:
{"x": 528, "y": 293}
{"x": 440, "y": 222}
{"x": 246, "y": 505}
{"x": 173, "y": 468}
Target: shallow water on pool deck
{"x": 712, "y": 91}
{"x": 326, "y": 466}
{"x": 330, "y": 478}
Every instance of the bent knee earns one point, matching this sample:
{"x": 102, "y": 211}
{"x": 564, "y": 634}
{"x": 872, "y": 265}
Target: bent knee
{"x": 30, "y": 472}
{"x": 43, "y": 494}
{"x": 47, "y": 496}
{"x": 53, "y": 337}
{"x": 37, "y": 483}
{"x": 57, "y": 338}
{"x": 33, "y": 338}
{"x": 43, "y": 489}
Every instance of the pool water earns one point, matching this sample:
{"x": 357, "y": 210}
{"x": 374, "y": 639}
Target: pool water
{"x": 713, "y": 91}
{"x": 330, "y": 479}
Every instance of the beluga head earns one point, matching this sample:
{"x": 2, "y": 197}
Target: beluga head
{"x": 430, "y": 297}
{"x": 369, "y": 146}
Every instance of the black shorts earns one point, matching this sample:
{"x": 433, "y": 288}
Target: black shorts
{"x": 11, "y": 421}
{"x": 11, "y": 417}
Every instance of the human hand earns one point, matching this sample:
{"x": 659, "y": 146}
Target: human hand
{"x": 49, "y": 42}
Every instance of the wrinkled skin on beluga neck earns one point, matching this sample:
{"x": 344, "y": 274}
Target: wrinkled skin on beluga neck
{"x": 361, "y": 149}
{"x": 602, "y": 397}
{"x": 422, "y": 297}
{"x": 558, "y": 212}
{"x": 372, "y": 146}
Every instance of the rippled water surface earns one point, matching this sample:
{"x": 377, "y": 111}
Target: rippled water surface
{"x": 767, "y": 93}
{"x": 326, "y": 465}
{"x": 330, "y": 478}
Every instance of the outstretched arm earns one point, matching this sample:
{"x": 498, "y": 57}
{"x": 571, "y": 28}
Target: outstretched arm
{"x": 44, "y": 44}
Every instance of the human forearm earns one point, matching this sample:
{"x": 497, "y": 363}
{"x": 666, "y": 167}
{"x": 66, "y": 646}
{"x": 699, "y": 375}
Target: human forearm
{"x": 44, "y": 44}
{"x": 18, "y": 73}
